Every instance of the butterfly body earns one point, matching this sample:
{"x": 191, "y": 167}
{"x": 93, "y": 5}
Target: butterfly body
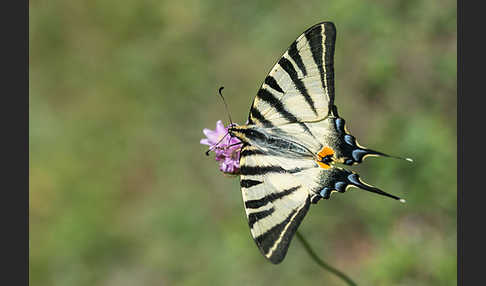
{"x": 292, "y": 142}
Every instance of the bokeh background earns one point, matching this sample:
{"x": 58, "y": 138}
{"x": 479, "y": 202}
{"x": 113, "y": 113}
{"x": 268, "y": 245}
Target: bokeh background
{"x": 121, "y": 192}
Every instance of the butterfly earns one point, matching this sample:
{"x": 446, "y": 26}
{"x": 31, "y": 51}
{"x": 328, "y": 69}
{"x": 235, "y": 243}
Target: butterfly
{"x": 292, "y": 140}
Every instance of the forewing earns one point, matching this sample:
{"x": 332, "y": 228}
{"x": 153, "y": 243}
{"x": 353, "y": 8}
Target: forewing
{"x": 297, "y": 98}
{"x": 300, "y": 87}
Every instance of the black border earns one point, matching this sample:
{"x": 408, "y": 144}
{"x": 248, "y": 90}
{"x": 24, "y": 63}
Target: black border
{"x": 15, "y": 160}
{"x": 470, "y": 118}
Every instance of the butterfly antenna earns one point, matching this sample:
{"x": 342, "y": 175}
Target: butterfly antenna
{"x": 231, "y": 123}
{"x": 225, "y": 105}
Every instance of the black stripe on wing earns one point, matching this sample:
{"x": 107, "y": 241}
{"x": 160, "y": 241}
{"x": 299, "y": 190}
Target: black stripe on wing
{"x": 262, "y": 170}
{"x": 290, "y": 70}
{"x": 256, "y": 115}
{"x": 248, "y": 152}
{"x": 279, "y": 236}
{"x": 271, "y": 82}
{"x": 247, "y": 183}
{"x": 295, "y": 55}
{"x": 269, "y": 98}
{"x": 329, "y": 43}
{"x": 256, "y": 216}
{"x": 318, "y": 47}
{"x": 254, "y": 204}
{"x": 314, "y": 38}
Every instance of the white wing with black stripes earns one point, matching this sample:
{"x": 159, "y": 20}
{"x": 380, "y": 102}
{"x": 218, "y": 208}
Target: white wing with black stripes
{"x": 293, "y": 138}
{"x": 302, "y": 79}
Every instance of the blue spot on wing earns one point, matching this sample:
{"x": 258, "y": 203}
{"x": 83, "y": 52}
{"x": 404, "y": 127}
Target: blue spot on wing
{"x": 349, "y": 139}
{"x": 340, "y": 186}
{"x": 358, "y": 154}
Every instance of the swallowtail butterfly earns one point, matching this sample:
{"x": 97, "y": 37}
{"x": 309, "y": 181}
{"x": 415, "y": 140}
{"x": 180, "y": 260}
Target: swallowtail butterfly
{"x": 293, "y": 138}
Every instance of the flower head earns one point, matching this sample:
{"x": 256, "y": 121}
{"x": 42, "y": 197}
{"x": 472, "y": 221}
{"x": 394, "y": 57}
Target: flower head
{"x": 225, "y": 147}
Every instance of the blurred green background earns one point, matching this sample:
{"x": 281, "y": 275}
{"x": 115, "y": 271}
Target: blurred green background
{"x": 121, "y": 192}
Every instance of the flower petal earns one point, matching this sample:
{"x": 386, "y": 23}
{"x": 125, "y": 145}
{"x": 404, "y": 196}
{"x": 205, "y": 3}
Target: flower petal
{"x": 205, "y": 141}
{"x": 220, "y": 126}
{"x": 227, "y": 153}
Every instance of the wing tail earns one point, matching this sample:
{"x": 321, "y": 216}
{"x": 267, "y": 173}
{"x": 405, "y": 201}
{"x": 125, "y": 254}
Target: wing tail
{"x": 339, "y": 180}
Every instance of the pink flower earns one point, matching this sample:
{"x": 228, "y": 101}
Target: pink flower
{"x": 225, "y": 147}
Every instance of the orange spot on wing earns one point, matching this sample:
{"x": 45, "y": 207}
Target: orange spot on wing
{"x": 323, "y": 165}
{"x": 326, "y": 151}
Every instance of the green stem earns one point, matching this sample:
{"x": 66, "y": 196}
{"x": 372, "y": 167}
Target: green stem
{"x": 322, "y": 263}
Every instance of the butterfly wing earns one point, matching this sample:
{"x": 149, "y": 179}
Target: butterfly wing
{"x": 293, "y": 118}
{"x": 275, "y": 203}
{"x": 300, "y": 87}
{"x": 297, "y": 98}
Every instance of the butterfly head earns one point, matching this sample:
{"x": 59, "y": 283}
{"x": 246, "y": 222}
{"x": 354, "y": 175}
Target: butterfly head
{"x": 233, "y": 130}
{"x": 245, "y": 134}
